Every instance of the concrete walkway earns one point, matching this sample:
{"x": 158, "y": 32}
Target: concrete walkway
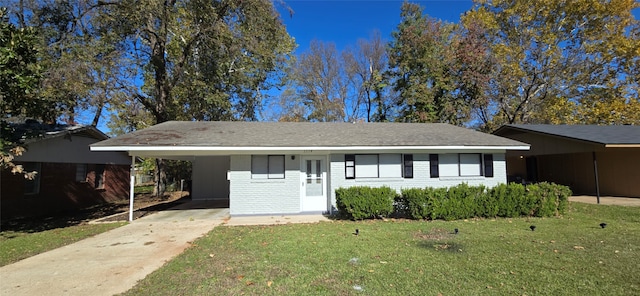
{"x": 114, "y": 261}
{"x": 607, "y": 200}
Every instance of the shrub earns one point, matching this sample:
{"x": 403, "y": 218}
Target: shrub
{"x": 508, "y": 198}
{"x": 458, "y": 202}
{"x": 365, "y": 202}
{"x": 412, "y": 203}
{"x": 551, "y": 198}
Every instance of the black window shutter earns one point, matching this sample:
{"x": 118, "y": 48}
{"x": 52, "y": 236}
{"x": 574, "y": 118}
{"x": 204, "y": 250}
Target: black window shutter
{"x": 408, "y": 166}
{"x": 433, "y": 163}
{"x": 488, "y": 165}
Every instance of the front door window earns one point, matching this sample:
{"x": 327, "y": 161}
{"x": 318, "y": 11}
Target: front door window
{"x": 314, "y": 184}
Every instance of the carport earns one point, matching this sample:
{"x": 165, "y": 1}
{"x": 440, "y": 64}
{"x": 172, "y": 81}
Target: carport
{"x": 591, "y": 159}
{"x": 209, "y": 170}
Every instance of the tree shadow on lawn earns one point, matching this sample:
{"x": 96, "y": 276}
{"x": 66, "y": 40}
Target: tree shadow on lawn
{"x": 78, "y": 217}
{"x": 439, "y": 239}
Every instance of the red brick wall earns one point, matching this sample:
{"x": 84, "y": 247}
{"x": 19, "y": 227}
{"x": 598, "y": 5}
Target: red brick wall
{"x": 59, "y": 191}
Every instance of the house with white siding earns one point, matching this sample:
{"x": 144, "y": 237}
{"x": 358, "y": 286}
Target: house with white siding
{"x": 294, "y": 167}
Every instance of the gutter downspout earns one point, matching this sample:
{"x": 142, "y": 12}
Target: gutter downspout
{"x": 595, "y": 172}
{"x": 132, "y": 184}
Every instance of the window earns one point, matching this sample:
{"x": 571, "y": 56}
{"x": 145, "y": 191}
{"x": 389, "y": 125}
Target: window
{"x": 470, "y": 164}
{"x": 99, "y": 181}
{"x": 407, "y": 167}
{"x": 81, "y": 172}
{"x": 367, "y": 166}
{"x": 32, "y": 186}
{"x": 267, "y": 166}
{"x": 390, "y": 165}
{"x": 461, "y": 165}
{"x": 378, "y": 166}
{"x": 350, "y": 166}
{"x": 448, "y": 165}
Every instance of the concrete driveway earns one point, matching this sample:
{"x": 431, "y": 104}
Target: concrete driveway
{"x": 607, "y": 200}
{"x": 112, "y": 262}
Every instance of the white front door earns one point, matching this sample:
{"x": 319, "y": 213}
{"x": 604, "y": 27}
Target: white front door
{"x": 314, "y": 191}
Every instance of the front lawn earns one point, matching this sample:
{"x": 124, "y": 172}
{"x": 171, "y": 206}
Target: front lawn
{"x": 16, "y": 245}
{"x": 570, "y": 255}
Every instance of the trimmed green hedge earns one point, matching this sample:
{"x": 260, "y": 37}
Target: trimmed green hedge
{"x": 365, "y": 202}
{"x": 458, "y": 202}
{"x": 464, "y": 201}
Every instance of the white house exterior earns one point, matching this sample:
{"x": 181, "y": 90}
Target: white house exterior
{"x": 289, "y": 168}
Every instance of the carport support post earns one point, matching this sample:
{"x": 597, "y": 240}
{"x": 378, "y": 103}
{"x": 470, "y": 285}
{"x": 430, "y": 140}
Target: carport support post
{"x": 595, "y": 172}
{"x": 132, "y": 184}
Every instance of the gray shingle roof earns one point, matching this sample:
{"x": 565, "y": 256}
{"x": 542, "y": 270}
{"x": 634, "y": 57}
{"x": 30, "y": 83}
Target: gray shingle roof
{"x": 33, "y": 131}
{"x": 305, "y": 134}
{"x": 601, "y": 134}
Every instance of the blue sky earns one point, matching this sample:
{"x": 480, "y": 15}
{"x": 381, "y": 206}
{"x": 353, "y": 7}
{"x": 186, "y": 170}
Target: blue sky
{"x": 344, "y": 22}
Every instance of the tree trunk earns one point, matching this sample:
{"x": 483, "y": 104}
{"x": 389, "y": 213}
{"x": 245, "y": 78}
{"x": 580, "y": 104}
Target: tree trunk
{"x": 159, "y": 178}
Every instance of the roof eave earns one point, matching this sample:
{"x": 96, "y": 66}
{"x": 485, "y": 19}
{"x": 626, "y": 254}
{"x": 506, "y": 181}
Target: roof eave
{"x": 305, "y": 148}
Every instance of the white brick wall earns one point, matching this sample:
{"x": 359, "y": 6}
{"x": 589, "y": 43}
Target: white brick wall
{"x": 282, "y": 196}
{"x": 421, "y": 176}
{"x": 272, "y": 196}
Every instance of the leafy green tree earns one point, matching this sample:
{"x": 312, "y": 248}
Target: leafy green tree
{"x": 198, "y": 60}
{"x": 20, "y": 76}
{"x": 440, "y": 70}
{"x": 561, "y": 56}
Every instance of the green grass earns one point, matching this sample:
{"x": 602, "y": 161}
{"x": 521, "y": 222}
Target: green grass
{"x": 568, "y": 255}
{"x": 143, "y": 189}
{"x": 18, "y": 245}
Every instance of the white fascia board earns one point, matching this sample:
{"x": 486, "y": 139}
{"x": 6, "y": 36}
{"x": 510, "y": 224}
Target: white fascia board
{"x": 302, "y": 149}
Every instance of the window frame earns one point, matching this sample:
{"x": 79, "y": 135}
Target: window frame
{"x": 485, "y": 165}
{"x": 479, "y": 167}
{"x": 405, "y": 166}
{"x": 271, "y": 160}
{"x": 82, "y": 169}
{"x": 349, "y": 166}
{"x": 99, "y": 176}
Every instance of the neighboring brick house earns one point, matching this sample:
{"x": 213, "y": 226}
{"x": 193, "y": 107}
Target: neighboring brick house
{"x": 69, "y": 177}
{"x": 591, "y": 159}
{"x": 286, "y": 168}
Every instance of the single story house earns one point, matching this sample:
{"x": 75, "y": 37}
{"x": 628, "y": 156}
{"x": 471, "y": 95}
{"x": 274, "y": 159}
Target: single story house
{"x": 295, "y": 167}
{"x": 69, "y": 176}
{"x": 591, "y": 159}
